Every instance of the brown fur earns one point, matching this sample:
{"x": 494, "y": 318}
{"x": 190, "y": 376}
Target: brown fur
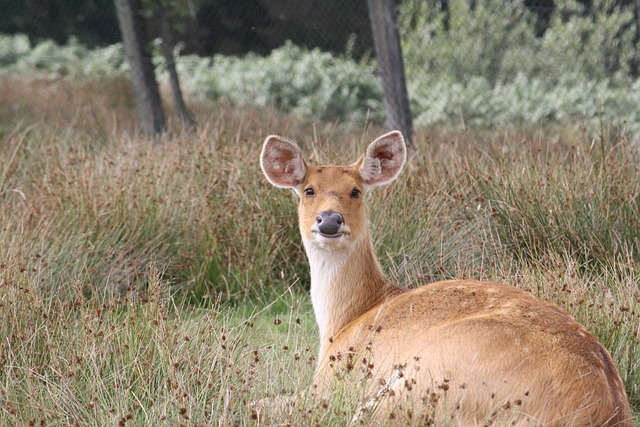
{"x": 465, "y": 351}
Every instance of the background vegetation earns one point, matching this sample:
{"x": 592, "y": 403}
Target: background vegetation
{"x": 582, "y": 67}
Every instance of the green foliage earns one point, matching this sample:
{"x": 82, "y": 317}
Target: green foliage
{"x": 497, "y": 41}
{"x": 526, "y": 101}
{"x": 50, "y": 60}
{"x": 13, "y": 48}
{"x": 472, "y": 44}
{"x": 299, "y": 81}
{"x": 309, "y": 83}
{"x": 487, "y": 68}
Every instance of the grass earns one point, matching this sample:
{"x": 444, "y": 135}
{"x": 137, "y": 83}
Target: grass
{"x": 590, "y": 207}
{"x": 145, "y": 282}
{"x": 139, "y": 361}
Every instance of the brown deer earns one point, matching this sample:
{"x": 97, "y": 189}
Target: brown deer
{"x": 455, "y": 352}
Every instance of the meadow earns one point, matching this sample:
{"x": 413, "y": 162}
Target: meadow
{"x": 146, "y": 282}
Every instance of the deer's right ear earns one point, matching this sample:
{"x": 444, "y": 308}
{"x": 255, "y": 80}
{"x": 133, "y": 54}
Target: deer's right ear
{"x": 282, "y": 163}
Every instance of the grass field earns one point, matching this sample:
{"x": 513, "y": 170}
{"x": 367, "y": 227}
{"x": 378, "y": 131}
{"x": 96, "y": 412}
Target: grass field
{"x": 146, "y": 282}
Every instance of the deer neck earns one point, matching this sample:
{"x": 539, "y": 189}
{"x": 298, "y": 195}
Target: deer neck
{"x": 345, "y": 283}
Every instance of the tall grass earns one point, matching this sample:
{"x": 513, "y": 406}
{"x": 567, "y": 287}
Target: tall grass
{"x": 91, "y": 209}
{"x": 139, "y": 361}
{"x": 145, "y": 282}
{"x": 584, "y": 200}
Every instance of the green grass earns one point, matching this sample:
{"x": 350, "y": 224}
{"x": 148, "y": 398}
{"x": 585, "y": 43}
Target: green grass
{"x": 143, "y": 360}
{"x": 584, "y": 199}
{"x": 145, "y": 283}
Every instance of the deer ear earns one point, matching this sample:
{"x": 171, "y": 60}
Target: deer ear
{"x": 282, "y": 163}
{"x": 383, "y": 160}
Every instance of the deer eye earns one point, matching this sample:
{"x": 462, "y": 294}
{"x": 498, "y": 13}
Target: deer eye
{"x": 355, "y": 193}
{"x": 309, "y": 192}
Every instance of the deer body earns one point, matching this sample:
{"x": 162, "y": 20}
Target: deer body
{"x": 459, "y": 351}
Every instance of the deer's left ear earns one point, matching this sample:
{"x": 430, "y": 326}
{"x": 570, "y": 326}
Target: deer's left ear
{"x": 383, "y": 160}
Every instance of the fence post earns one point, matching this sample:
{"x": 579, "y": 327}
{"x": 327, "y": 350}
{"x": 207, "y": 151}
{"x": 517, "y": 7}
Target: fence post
{"x": 386, "y": 41}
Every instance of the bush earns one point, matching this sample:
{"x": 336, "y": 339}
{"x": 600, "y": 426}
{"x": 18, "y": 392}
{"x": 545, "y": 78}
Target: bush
{"x": 526, "y": 101}
{"x": 497, "y": 41}
{"x": 485, "y": 66}
{"x": 471, "y": 43}
{"x": 310, "y": 83}
{"x": 296, "y": 80}
{"x": 12, "y": 48}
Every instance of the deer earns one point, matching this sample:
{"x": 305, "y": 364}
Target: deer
{"x": 453, "y": 352}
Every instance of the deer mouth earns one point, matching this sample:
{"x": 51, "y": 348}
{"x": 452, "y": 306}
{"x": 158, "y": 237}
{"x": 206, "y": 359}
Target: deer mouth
{"x": 329, "y": 236}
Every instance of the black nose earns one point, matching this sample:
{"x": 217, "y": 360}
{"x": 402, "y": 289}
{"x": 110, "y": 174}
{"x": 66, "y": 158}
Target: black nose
{"x": 329, "y": 222}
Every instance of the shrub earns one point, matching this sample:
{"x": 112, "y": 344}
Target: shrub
{"x": 296, "y": 80}
{"x": 471, "y": 44}
{"x": 498, "y": 41}
{"x": 309, "y": 83}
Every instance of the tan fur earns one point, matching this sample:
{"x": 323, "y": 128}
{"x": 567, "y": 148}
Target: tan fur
{"x": 461, "y": 351}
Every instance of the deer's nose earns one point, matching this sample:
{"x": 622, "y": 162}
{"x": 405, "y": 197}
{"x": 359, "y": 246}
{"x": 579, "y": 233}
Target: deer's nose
{"x": 329, "y": 222}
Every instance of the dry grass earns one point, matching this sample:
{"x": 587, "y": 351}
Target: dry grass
{"x": 135, "y": 275}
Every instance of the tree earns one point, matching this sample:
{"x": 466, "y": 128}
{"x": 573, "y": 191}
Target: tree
{"x": 143, "y": 77}
{"x": 386, "y": 41}
{"x": 188, "y": 122}
{"x": 170, "y": 14}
